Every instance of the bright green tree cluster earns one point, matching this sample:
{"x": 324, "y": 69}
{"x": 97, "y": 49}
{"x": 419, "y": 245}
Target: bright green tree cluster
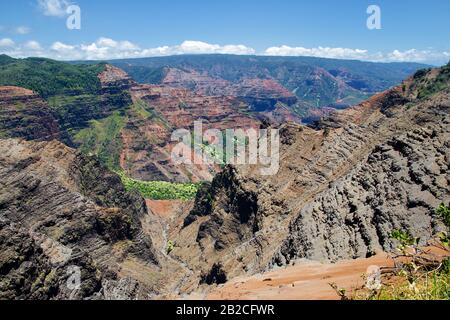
{"x": 161, "y": 190}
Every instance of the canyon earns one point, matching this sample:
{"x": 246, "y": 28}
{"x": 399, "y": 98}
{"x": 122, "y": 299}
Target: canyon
{"x": 348, "y": 176}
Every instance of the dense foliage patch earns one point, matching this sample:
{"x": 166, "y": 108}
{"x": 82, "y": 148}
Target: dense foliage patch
{"x": 161, "y": 190}
{"x": 427, "y": 85}
{"x": 49, "y": 77}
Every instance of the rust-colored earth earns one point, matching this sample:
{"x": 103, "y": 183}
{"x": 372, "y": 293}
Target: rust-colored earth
{"x": 163, "y": 208}
{"x": 304, "y": 281}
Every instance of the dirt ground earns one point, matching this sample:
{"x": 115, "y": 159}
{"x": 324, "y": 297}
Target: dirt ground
{"x": 303, "y": 281}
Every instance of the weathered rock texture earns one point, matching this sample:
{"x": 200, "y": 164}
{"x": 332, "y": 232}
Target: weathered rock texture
{"x": 59, "y": 210}
{"x": 343, "y": 186}
{"x": 24, "y": 114}
{"x": 147, "y": 139}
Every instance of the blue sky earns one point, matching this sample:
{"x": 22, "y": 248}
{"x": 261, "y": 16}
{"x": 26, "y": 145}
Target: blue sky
{"x": 412, "y": 30}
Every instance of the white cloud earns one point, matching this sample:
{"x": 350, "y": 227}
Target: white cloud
{"x": 323, "y": 52}
{"x": 33, "y": 46}
{"x": 198, "y": 47}
{"x": 414, "y": 55}
{"x": 6, "y": 42}
{"x": 54, "y": 8}
{"x": 106, "y": 48}
{"x": 411, "y": 55}
{"x": 22, "y": 30}
{"x": 61, "y": 47}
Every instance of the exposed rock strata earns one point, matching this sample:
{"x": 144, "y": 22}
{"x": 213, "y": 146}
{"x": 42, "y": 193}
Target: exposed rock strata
{"x": 60, "y": 210}
{"x": 24, "y": 114}
{"x": 341, "y": 189}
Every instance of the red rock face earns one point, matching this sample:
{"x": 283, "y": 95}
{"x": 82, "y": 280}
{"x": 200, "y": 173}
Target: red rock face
{"x": 181, "y": 107}
{"x": 184, "y": 97}
{"x": 115, "y": 78}
{"x": 152, "y": 114}
{"x": 23, "y": 114}
{"x": 147, "y": 144}
{"x": 260, "y": 94}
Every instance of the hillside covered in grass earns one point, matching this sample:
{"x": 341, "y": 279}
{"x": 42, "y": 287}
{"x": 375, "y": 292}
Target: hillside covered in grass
{"x": 49, "y": 77}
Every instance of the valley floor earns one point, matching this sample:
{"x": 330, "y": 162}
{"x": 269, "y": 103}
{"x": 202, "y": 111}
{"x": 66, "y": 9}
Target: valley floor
{"x": 306, "y": 280}
{"x": 303, "y": 281}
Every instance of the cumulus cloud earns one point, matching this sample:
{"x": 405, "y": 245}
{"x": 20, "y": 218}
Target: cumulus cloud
{"x": 6, "y": 42}
{"x": 33, "y": 46}
{"x": 54, "y": 8}
{"x": 61, "y": 47}
{"x": 323, "y": 52}
{"x": 414, "y": 55}
{"x": 22, "y": 30}
{"x": 197, "y": 47}
{"x": 107, "y": 48}
{"x": 411, "y": 55}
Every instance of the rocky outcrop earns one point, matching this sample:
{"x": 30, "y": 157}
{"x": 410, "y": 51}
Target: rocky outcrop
{"x": 63, "y": 214}
{"x": 147, "y": 144}
{"x": 231, "y": 207}
{"x": 398, "y": 187}
{"x": 341, "y": 189}
{"x": 114, "y": 80}
{"x": 23, "y": 114}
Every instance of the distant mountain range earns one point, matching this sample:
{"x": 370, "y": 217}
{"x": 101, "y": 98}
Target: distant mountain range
{"x": 315, "y": 82}
{"x": 344, "y": 183}
{"x": 124, "y": 111}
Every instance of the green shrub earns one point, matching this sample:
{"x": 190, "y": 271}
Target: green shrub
{"x": 170, "y": 246}
{"x": 443, "y": 213}
{"x": 49, "y": 77}
{"x": 161, "y": 190}
{"x": 404, "y": 238}
{"x": 102, "y": 138}
{"x": 419, "y": 274}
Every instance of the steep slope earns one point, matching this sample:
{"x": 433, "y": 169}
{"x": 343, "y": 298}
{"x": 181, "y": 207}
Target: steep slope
{"x": 24, "y": 114}
{"x": 340, "y": 190}
{"x": 75, "y": 95}
{"x": 160, "y": 110}
{"x": 60, "y": 210}
{"x": 260, "y": 94}
{"x": 316, "y": 82}
{"x": 49, "y": 77}
{"x": 100, "y": 110}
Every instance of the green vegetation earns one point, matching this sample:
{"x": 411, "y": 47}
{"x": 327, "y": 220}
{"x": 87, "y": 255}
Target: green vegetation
{"x": 219, "y": 153}
{"x": 140, "y": 109}
{"x": 427, "y": 84}
{"x": 419, "y": 274}
{"x": 102, "y": 138}
{"x": 143, "y": 74}
{"x": 404, "y": 238}
{"x": 433, "y": 285}
{"x": 79, "y": 112}
{"x": 170, "y": 246}
{"x": 443, "y": 212}
{"x": 65, "y": 105}
{"x": 48, "y": 77}
{"x": 161, "y": 190}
